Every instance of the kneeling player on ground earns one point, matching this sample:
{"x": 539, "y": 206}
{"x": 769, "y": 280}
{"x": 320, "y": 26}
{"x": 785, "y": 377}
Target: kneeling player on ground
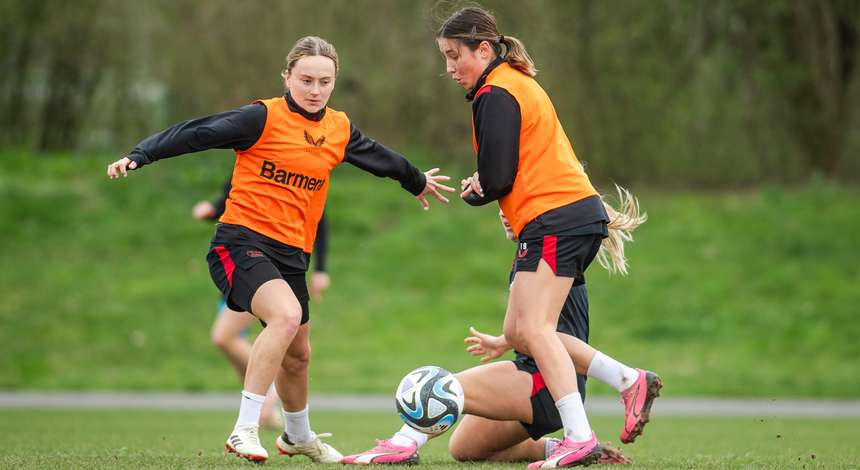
{"x": 508, "y": 409}
{"x": 500, "y": 425}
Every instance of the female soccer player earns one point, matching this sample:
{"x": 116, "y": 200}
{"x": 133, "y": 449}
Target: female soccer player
{"x": 526, "y": 162}
{"x": 286, "y": 148}
{"x": 230, "y": 329}
{"x": 507, "y": 406}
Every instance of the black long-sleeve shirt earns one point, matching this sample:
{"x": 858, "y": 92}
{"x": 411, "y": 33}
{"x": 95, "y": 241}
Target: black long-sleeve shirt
{"x": 241, "y": 128}
{"x": 497, "y": 119}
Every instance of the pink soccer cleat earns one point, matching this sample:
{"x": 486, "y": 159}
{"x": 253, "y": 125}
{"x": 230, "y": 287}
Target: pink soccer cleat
{"x": 637, "y": 401}
{"x": 609, "y": 455}
{"x": 384, "y": 453}
{"x": 572, "y": 454}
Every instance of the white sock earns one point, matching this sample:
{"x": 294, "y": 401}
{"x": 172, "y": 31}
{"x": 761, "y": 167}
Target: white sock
{"x": 547, "y": 446}
{"x": 249, "y": 409}
{"x": 573, "y": 417}
{"x": 612, "y": 372}
{"x": 407, "y": 436}
{"x": 297, "y": 425}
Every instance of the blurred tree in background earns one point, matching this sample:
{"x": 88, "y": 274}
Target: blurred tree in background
{"x": 698, "y": 93}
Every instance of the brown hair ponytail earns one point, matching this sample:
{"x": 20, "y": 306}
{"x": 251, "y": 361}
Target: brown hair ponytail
{"x": 474, "y": 25}
{"x": 518, "y": 57}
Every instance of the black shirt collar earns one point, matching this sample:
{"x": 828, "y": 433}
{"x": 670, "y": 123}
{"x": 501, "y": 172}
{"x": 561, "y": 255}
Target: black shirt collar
{"x": 495, "y": 63}
{"x": 294, "y": 107}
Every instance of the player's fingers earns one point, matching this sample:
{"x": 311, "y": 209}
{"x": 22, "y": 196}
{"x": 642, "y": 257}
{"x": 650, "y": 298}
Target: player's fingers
{"x": 481, "y": 336}
{"x": 443, "y": 187}
{"x": 424, "y": 204}
{"x": 476, "y": 186}
{"x": 438, "y": 195}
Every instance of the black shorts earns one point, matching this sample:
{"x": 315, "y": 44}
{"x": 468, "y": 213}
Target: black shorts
{"x": 566, "y": 255}
{"x": 545, "y": 417}
{"x": 239, "y": 270}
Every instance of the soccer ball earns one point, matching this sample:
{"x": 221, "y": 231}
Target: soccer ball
{"x": 429, "y": 399}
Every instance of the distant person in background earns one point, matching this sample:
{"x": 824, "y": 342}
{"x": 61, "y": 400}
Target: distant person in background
{"x": 286, "y": 148}
{"x": 527, "y": 164}
{"x": 230, "y": 330}
{"x": 507, "y": 409}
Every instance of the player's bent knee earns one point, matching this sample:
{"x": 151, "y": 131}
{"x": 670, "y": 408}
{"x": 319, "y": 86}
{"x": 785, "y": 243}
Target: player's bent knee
{"x": 513, "y": 336}
{"x": 221, "y": 340}
{"x": 297, "y": 361}
{"x": 286, "y": 319}
{"x": 457, "y": 451}
{"x": 461, "y": 452}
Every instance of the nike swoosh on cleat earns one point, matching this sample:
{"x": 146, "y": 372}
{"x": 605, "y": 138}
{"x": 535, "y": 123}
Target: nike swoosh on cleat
{"x": 635, "y": 402}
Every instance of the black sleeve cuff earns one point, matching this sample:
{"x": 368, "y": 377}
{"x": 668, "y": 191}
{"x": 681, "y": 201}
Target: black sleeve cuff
{"x": 139, "y": 157}
{"x": 416, "y": 184}
{"x": 474, "y": 200}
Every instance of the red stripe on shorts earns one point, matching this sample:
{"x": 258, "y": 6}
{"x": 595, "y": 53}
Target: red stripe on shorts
{"x": 537, "y": 383}
{"x": 548, "y": 253}
{"x": 227, "y": 262}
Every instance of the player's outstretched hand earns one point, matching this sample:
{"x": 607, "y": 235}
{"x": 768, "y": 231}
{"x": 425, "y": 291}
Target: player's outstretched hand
{"x": 203, "y": 210}
{"x": 320, "y": 281}
{"x": 433, "y": 186}
{"x": 120, "y": 168}
{"x": 489, "y": 346}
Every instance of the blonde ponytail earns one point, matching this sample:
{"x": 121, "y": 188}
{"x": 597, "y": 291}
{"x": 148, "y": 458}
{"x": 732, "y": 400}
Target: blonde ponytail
{"x": 622, "y": 222}
{"x": 518, "y": 57}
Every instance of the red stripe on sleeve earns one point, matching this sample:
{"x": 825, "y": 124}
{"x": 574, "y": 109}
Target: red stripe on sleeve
{"x": 227, "y": 262}
{"x": 537, "y": 383}
{"x": 548, "y": 253}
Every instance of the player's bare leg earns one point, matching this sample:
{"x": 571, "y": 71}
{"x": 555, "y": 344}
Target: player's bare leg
{"x": 227, "y": 335}
{"x": 536, "y": 300}
{"x": 276, "y": 305}
{"x": 292, "y": 385}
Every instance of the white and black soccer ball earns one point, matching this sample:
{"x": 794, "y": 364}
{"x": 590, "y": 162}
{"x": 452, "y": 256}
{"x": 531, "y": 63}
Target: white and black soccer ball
{"x": 429, "y": 399}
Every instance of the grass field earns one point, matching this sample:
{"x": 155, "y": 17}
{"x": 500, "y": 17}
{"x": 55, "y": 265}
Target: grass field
{"x": 104, "y": 284}
{"x": 148, "y": 439}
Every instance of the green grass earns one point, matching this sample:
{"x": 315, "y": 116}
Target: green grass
{"x": 194, "y": 439}
{"x": 104, "y": 285}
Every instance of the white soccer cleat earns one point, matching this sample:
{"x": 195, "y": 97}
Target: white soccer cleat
{"x": 245, "y": 443}
{"x": 315, "y": 449}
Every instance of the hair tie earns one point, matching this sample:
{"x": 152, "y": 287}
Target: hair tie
{"x": 501, "y": 39}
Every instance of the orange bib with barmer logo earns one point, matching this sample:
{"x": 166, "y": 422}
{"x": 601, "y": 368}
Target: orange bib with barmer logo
{"x": 280, "y": 184}
{"x": 548, "y": 174}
